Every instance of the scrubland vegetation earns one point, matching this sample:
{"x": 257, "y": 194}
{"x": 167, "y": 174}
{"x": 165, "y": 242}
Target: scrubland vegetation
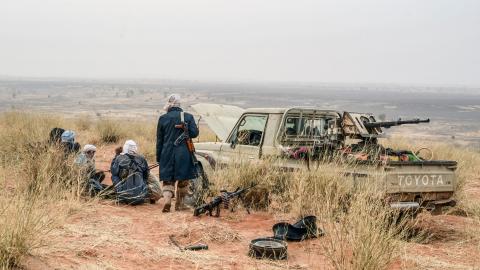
{"x": 39, "y": 189}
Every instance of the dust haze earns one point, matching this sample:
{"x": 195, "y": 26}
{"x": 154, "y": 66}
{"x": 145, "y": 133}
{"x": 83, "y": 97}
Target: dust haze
{"x": 454, "y": 111}
{"x": 121, "y": 58}
{"x": 373, "y": 41}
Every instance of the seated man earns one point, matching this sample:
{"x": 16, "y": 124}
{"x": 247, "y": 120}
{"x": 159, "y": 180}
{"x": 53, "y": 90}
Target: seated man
{"x": 86, "y": 160}
{"x": 131, "y": 177}
{"x": 68, "y": 142}
{"x": 56, "y": 136}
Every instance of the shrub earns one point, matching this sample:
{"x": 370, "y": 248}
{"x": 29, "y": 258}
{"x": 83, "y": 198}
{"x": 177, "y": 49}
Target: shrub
{"x": 147, "y": 147}
{"x": 39, "y": 187}
{"x": 43, "y": 193}
{"x": 110, "y": 131}
{"x": 83, "y": 123}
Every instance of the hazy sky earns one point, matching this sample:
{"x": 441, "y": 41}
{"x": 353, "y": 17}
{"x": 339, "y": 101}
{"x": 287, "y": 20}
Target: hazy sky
{"x": 403, "y": 41}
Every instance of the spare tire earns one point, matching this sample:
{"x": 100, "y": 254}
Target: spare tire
{"x": 268, "y": 248}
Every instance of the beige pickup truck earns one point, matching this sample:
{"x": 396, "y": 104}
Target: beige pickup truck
{"x": 259, "y": 132}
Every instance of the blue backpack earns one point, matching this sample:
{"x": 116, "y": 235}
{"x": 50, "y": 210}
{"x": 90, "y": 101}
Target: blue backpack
{"x": 132, "y": 189}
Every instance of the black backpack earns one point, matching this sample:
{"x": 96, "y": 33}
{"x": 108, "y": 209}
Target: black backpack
{"x": 132, "y": 189}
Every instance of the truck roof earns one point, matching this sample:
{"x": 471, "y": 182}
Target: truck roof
{"x": 266, "y": 110}
{"x": 283, "y": 110}
{"x": 222, "y": 118}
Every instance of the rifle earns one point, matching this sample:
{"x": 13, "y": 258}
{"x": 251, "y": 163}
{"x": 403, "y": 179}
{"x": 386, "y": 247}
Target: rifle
{"x": 389, "y": 124}
{"x": 152, "y": 166}
{"x": 190, "y": 247}
{"x": 188, "y": 141}
{"x": 224, "y": 199}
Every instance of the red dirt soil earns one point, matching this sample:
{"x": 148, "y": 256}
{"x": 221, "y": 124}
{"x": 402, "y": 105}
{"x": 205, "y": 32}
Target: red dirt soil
{"x": 109, "y": 236}
{"x": 137, "y": 237}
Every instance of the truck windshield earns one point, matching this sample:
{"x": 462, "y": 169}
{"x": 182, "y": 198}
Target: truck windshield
{"x": 250, "y": 130}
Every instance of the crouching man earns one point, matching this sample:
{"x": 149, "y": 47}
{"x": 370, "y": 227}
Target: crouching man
{"x": 86, "y": 160}
{"x": 173, "y": 155}
{"x": 68, "y": 142}
{"x": 131, "y": 177}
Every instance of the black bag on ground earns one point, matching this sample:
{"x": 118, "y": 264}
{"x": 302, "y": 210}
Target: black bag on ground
{"x": 305, "y": 228}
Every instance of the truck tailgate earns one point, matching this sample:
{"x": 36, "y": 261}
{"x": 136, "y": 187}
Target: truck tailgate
{"x": 420, "y": 176}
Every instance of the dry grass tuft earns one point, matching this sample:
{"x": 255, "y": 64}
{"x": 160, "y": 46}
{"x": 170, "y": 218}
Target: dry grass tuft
{"x": 39, "y": 188}
{"x": 110, "y": 131}
{"x": 83, "y": 122}
{"x": 218, "y": 234}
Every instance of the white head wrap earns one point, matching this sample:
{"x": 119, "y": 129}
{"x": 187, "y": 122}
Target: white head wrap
{"x": 89, "y": 147}
{"x": 130, "y": 147}
{"x": 172, "y": 101}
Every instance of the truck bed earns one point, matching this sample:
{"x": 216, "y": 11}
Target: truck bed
{"x": 420, "y": 176}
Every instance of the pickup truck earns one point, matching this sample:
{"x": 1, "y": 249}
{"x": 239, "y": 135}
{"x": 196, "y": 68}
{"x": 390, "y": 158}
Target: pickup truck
{"x": 255, "y": 133}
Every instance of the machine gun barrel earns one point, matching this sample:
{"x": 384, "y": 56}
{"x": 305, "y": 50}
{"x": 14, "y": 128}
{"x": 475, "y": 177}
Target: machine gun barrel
{"x": 388, "y": 124}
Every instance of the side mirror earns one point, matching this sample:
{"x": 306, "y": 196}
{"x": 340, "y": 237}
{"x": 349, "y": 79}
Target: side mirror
{"x": 233, "y": 144}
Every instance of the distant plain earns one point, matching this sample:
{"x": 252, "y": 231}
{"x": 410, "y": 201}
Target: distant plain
{"x": 454, "y": 111}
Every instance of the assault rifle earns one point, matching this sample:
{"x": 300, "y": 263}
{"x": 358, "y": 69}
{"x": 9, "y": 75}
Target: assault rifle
{"x": 188, "y": 141}
{"x": 399, "y": 122}
{"x": 224, "y": 199}
{"x": 152, "y": 166}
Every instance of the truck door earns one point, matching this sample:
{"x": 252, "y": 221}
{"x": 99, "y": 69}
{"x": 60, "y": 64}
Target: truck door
{"x": 246, "y": 138}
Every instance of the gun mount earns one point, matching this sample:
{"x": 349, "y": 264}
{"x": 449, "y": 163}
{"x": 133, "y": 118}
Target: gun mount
{"x": 365, "y": 126}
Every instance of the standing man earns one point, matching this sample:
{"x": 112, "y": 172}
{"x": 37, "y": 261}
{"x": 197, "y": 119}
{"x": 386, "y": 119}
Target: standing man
{"x": 176, "y": 163}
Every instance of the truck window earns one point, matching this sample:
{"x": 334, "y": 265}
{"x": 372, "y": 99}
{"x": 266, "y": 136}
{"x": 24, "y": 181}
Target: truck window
{"x": 306, "y": 127}
{"x": 250, "y": 130}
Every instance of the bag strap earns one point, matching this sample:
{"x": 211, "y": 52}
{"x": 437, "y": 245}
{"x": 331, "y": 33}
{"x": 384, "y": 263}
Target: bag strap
{"x": 182, "y": 117}
{"x": 133, "y": 161}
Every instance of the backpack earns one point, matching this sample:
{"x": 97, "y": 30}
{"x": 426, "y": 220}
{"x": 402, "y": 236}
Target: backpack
{"x": 132, "y": 189}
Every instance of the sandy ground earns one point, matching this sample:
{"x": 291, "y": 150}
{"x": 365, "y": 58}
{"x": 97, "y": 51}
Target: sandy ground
{"x": 109, "y": 236}
{"x": 122, "y": 237}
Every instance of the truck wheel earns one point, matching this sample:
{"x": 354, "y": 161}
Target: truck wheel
{"x": 198, "y": 188}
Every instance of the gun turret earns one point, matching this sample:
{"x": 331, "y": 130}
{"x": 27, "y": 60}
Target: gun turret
{"x": 399, "y": 122}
